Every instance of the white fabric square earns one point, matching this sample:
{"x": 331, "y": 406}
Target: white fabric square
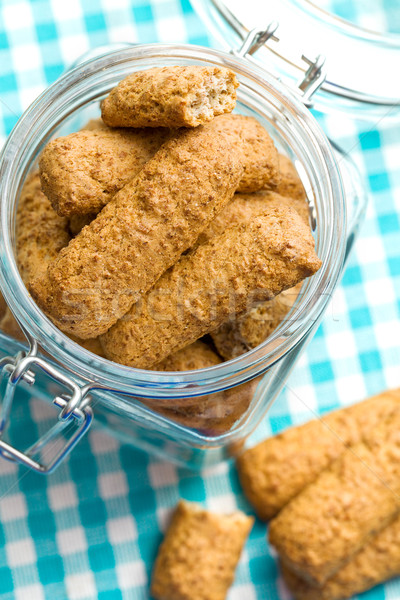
{"x": 113, "y": 484}
{"x": 239, "y": 592}
{"x": 162, "y": 474}
{"x": 70, "y": 541}
{"x": 81, "y": 586}
{"x": 121, "y": 530}
{"x": 66, "y": 11}
{"x": 17, "y": 15}
{"x": 226, "y": 503}
{"x": 131, "y": 575}
{"x": 41, "y": 411}
{"x": 21, "y": 552}
{"x": 26, "y": 57}
{"x": 101, "y": 442}
{"x": 13, "y": 506}
{"x": 62, "y": 496}
{"x": 30, "y": 592}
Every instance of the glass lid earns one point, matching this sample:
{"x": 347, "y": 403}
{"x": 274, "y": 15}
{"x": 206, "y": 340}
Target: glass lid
{"x": 359, "y": 40}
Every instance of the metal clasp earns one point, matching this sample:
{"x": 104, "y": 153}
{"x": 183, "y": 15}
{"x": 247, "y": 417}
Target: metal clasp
{"x": 255, "y": 39}
{"x": 74, "y": 408}
{"x": 314, "y": 76}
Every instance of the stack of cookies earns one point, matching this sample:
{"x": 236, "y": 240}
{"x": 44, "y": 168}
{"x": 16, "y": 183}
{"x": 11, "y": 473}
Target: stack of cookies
{"x": 167, "y": 220}
{"x": 332, "y": 490}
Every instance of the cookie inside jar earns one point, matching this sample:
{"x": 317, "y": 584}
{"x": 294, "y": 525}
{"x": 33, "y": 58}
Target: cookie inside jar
{"x": 170, "y": 238}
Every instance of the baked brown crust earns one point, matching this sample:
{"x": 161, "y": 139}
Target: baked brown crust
{"x": 351, "y": 501}
{"x": 198, "y": 355}
{"x": 40, "y": 232}
{"x": 273, "y": 472}
{"x": 82, "y": 171}
{"x": 244, "y": 207}
{"x": 139, "y": 234}
{"x": 9, "y": 325}
{"x": 213, "y": 414}
{"x": 247, "y": 331}
{"x": 290, "y": 184}
{"x": 170, "y": 97}
{"x": 3, "y": 306}
{"x": 40, "y": 235}
{"x": 377, "y": 562}
{"x": 256, "y": 151}
{"x": 94, "y": 125}
{"x": 246, "y": 264}
{"x": 199, "y": 554}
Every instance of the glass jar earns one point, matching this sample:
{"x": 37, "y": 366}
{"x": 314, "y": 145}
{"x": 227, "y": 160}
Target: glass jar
{"x": 359, "y": 63}
{"x": 134, "y": 403}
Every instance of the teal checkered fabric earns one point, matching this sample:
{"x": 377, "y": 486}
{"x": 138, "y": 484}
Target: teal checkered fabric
{"x": 91, "y": 530}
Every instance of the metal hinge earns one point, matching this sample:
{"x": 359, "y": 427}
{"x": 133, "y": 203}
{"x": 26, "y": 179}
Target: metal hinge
{"x": 314, "y": 76}
{"x": 74, "y": 408}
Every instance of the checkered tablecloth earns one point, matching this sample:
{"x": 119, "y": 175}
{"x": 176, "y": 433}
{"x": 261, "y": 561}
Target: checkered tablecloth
{"x": 91, "y": 530}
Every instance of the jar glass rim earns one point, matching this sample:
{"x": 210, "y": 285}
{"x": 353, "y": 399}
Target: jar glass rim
{"x": 70, "y": 88}
{"x": 357, "y": 59}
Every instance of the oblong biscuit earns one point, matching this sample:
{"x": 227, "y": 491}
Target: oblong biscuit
{"x": 357, "y": 496}
{"x": 170, "y": 97}
{"x": 81, "y": 172}
{"x": 247, "y": 263}
{"x": 277, "y": 469}
{"x": 139, "y": 234}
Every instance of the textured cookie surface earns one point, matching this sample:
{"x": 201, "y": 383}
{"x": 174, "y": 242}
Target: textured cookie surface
{"x": 213, "y": 414}
{"x": 276, "y": 470}
{"x": 377, "y": 562}
{"x": 255, "y": 149}
{"x": 140, "y": 233}
{"x": 223, "y": 277}
{"x": 199, "y": 554}
{"x": 235, "y": 337}
{"x": 195, "y": 356}
{"x": 290, "y": 183}
{"x": 351, "y": 501}
{"x": 170, "y": 97}
{"x": 40, "y": 235}
{"x": 40, "y": 232}
{"x": 81, "y": 172}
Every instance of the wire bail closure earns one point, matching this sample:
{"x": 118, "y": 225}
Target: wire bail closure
{"x": 74, "y": 407}
{"x": 314, "y": 76}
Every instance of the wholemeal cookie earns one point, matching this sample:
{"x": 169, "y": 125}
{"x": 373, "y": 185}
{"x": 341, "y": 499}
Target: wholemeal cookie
{"x": 82, "y": 171}
{"x": 375, "y": 563}
{"x": 321, "y": 529}
{"x": 289, "y": 183}
{"x": 225, "y": 276}
{"x": 198, "y": 355}
{"x": 199, "y": 554}
{"x": 113, "y": 261}
{"x": 40, "y": 235}
{"x": 3, "y": 306}
{"x": 244, "y": 207}
{"x": 40, "y": 232}
{"x": 276, "y": 470}
{"x": 213, "y": 414}
{"x": 255, "y": 148}
{"x": 237, "y": 336}
{"x": 170, "y": 97}
{"x": 247, "y": 331}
